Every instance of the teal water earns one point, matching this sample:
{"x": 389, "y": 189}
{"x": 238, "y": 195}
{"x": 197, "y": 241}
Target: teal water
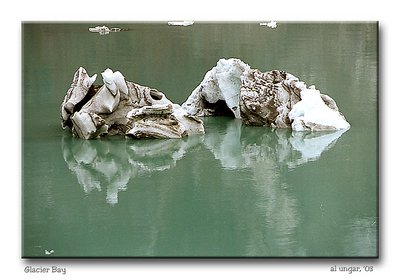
{"x": 234, "y": 192}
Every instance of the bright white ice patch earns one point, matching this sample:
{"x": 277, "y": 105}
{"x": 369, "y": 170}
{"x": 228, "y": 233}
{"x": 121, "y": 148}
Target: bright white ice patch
{"x": 271, "y": 24}
{"x": 181, "y": 23}
{"x": 311, "y": 113}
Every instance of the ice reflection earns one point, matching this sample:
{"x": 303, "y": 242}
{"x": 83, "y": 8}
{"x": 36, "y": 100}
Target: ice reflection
{"x": 312, "y": 144}
{"x": 265, "y": 210}
{"x": 265, "y": 152}
{"x": 112, "y": 164}
{"x": 237, "y": 146}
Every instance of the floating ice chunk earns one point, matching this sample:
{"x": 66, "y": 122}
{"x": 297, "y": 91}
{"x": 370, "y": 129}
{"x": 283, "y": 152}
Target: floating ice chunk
{"x": 263, "y": 98}
{"x": 181, "y": 23}
{"x": 311, "y": 113}
{"x": 124, "y": 108}
{"x": 104, "y": 30}
{"x": 271, "y": 24}
{"x": 48, "y": 252}
{"x": 99, "y": 29}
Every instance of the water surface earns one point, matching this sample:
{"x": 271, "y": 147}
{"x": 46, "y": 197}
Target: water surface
{"x": 235, "y": 191}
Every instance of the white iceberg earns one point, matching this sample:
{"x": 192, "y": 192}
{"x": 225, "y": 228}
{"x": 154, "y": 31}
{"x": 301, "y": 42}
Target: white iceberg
{"x": 181, "y": 23}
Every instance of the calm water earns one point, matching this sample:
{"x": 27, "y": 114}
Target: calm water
{"x": 235, "y": 191}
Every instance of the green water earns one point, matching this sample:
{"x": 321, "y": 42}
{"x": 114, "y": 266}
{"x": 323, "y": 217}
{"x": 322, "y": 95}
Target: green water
{"x": 235, "y": 191}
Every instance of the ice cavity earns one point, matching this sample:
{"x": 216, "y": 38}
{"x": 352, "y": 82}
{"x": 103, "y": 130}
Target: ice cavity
{"x": 221, "y": 83}
{"x": 311, "y": 113}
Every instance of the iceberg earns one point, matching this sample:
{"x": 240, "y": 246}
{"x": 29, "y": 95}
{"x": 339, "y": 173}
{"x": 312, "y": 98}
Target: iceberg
{"x": 120, "y": 107}
{"x": 274, "y": 98}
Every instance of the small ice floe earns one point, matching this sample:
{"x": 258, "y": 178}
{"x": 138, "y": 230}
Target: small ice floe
{"x": 104, "y": 30}
{"x": 48, "y": 252}
{"x": 180, "y": 23}
{"x": 271, "y": 24}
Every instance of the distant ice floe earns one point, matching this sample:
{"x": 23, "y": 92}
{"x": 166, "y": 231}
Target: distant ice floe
{"x": 181, "y": 23}
{"x": 271, "y": 24}
{"x": 48, "y": 252}
{"x": 104, "y": 30}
